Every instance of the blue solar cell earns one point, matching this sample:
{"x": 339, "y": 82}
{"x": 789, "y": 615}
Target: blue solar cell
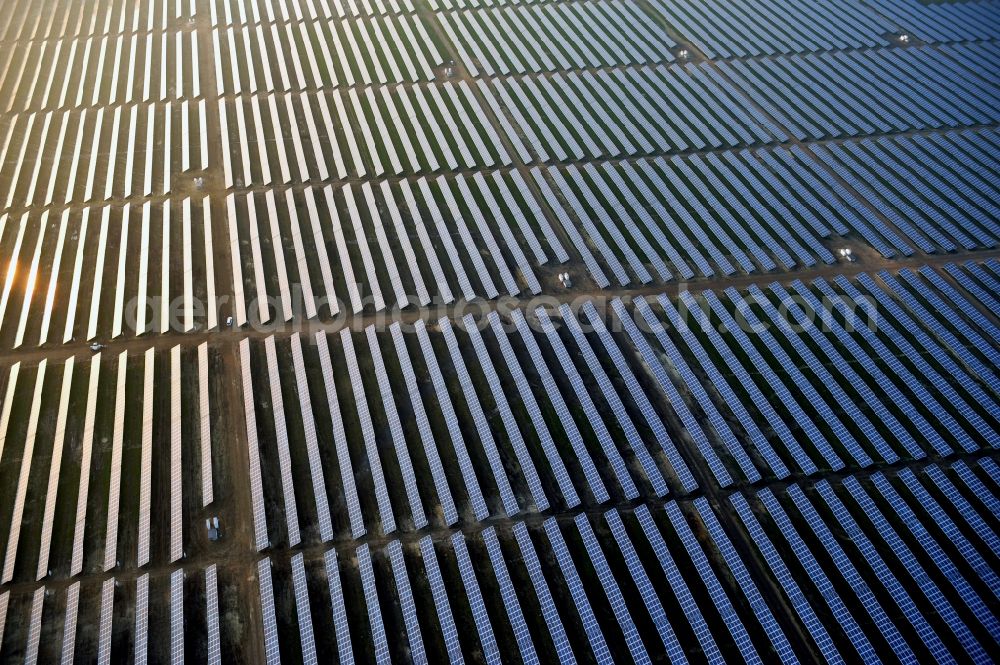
{"x": 905, "y": 556}
{"x": 675, "y": 651}
{"x": 888, "y": 579}
{"x": 575, "y": 587}
{"x": 550, "y": 614}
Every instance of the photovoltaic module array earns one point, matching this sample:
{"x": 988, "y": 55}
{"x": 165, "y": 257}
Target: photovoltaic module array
{"x": 499, "y": 331}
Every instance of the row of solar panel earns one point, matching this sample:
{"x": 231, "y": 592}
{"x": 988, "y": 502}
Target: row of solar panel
{"x": 102, "y": 154}
{"x": 558, "y": 638}
{"x": 846, "y": 94}
{"x": 625, "y": 112}
{"x": 918, "y": 547}
{"x": 730, "y": 30}
{"x": 32, "y": 464}
{"x": 98, "y": 71}
{"x": 929, "y": 549}
{"x": 29, "y": 20}
{"x": 825, "y": 409}
{"x": 120, "y": 258}
{"x": 358, "y": 142}
{"x": 243, "y": 12}
{"x": 672, "y": 108}
{"x": 547, "y": 37}
{"x": 739, "y": 29}
{"x": 394, "y": 49}
{"x": 768, "y": 209}
{"x": 981, "y": 57}
{"x": 385, "y": 256}
{"x": 509, "y": 595}
{"x": 942, "y": 21}
{"x": 435, "y": 437}
{"x": 873, "y": 405}
{"x": 65, "y": 646}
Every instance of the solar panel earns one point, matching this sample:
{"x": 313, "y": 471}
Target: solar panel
{"x": 740, "y": 574}
{"x": 4, "y": 600}
{"x": 585, "y": 401}
{"x": 214, "y": 646}
{"x": 239, "y": 300}
{"x": 850, "y": 409}
{"x": 32, "y": 278}
{"x": 575, "y": 587}
{"x": 440, "y": 594}
{"x": 943, "y": 333}
{"x": 164, "y": 315}
{"x": 479, "y": 418}
{"x": 22, "y": 482}
{"x": 114, "y": 487}
{"x": 371, "y": 601}
{"x": 312, "y": 446}
{"x": 272, "y": 652}
{"x": 905, "y": 556}
{"x": 146, "y": 461}
{"x": 48, "y": 308}
{"x": 849, "y": 572}
{"x": 257, "y": 253}
{"x": 569, "y": 427}
{"x": 176, "y": 460}
{"x": 635, "y": 389}
{"x": 953, "y": 534}
{"x": 611, "y": 226}
{"x": 593, "y": 234}
{"x": 205, "y": 421}
{"x": 969, "y": 514}
{"x": 451, "y": 420}
{"x": 423, "y": 426}
{"x": 505, "y": 230}
{"x": 34, "y": 626}
{"x": 611, "y": 589}
{"x": 446, "y": 239}
{"x": 510, "y": 423}
{"x": 941, "y": 559}
{"x": 340, "y": 625}
{"x": 253, "y": 447}
{"x": 340, "y": 439}
{"x": 947, "y": 312}
{"x": 281, "y": 438}
{"x": 362, "y": 243}
{"x": 883, "y": 573}
{"x": 927, "y": 431}
{"x": 302, "y": 611}
{"x": 550, "y": 614}
{"x": 972, "y": 286}
{"x": 645, "y": 586}
{"x": 817, "y": 575}
{"x": 186, "y": 249}
{"x": 677, "y": 583}
{"x": 507, "y": 592}
{"x": 484, "y": 232}
{"x": 104, "y": 627}
{"x": 54, "y": 468}
{"x": 801, "y": 386}
{"x": 407, "y": 605}
{"x": 177, "y": 617}
{"x": 868, "y": 396}
{"x": 975, "y": 485}
{"x": 69, "y": 623}
{"x": 614, "y": 401}
{"x": 924, "y": 368}
{"x": 784, "y": 577}
{"x": 396, "y": 430}
{"x": 368, "y": 431}
{"x": 491, "y": 652}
